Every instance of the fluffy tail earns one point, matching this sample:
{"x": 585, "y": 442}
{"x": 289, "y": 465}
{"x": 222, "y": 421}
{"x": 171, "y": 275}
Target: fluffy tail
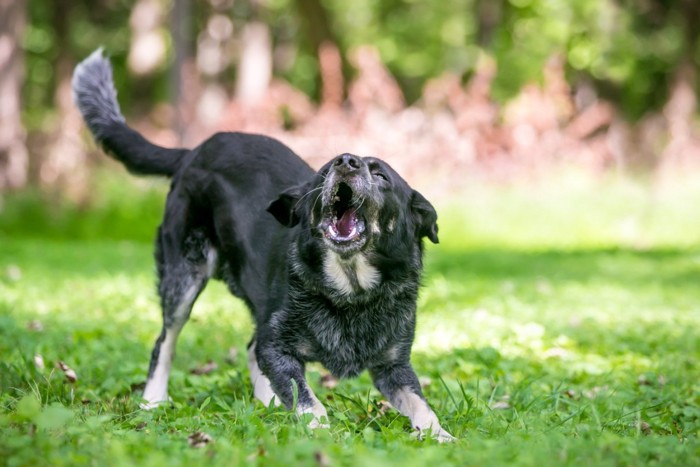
{"x": 95, "y": 96}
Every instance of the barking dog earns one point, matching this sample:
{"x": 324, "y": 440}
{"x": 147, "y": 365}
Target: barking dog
{"x": 328, "y": 263}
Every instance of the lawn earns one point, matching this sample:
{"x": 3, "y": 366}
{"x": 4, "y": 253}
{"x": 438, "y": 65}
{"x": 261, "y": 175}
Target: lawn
{"x": 558, "y": 325}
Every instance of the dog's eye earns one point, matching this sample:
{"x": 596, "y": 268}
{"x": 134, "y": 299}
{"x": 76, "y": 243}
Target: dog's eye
{"x": 380, "y": 175}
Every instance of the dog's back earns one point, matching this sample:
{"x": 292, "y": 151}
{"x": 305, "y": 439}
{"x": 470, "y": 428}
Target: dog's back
{"x": 229, "y": 181}
{"x": 220, "y": 189}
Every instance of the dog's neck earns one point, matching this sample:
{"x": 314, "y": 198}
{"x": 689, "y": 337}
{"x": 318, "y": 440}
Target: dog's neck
{"x": 356, "y": 280}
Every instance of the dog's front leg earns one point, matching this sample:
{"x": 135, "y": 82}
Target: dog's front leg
{"x": 400, "y": 385}
{"x": 282, "y": 369}
{"x": 262, "y": 389}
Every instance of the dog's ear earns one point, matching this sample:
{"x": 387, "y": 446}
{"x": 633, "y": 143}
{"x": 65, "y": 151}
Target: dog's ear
{"x": 285, "y": 207}
{"x": 425, "y": 217}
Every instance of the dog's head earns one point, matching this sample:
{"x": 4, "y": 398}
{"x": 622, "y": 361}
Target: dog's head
{"x": 353, "y": 202}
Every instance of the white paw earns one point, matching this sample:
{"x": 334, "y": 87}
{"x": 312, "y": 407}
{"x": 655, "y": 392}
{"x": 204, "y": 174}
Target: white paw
{"x": 440, "y": 435}
{"x": 443, "y": 436}
{"x": 316, "y": 423}
{"x": 150, "y": 405}
{"x": 262, "y": 389}
{"x": 320, "y": 419}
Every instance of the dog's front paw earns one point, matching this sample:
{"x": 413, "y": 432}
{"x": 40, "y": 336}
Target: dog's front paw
{"x": 320, "y": 416}
{"x": 440, "y": 435}
{"x": 150, "y": 405}
{"x": 316, "y": 423}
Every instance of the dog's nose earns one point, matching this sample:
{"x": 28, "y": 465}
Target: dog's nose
{"x": 347, "y": 163}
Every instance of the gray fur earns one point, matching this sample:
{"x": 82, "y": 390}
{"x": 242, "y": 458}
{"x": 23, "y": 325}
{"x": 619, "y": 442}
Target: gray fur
{"x": 96, "y": 98}
{"x": 94, "y": 94}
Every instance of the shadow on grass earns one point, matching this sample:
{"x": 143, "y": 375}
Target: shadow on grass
{"x": 62, "y": 259}
{"x": 624, "y": 267}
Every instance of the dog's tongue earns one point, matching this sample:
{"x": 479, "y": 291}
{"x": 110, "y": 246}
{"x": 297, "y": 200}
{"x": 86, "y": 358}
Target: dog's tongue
{"x": 347, "y": 223}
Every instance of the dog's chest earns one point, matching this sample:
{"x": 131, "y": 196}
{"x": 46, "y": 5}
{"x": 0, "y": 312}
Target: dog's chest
{"x": 348, "y": 276}
{"x": 348, "y": 342}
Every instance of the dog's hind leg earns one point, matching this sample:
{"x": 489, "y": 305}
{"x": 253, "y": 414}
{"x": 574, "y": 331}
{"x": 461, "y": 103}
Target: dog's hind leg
{"x": 184, "y": 266}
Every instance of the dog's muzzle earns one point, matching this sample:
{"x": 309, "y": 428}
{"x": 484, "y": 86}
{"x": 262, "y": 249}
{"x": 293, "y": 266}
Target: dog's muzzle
{"x": 343, "y": 223}
{"x": 345, "y": 198}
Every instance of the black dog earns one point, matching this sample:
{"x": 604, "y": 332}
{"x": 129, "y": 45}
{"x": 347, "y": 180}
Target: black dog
{"x": 329, "y": 263}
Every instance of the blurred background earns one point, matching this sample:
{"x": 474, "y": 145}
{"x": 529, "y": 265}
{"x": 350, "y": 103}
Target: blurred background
{"x": 451, "y": 93}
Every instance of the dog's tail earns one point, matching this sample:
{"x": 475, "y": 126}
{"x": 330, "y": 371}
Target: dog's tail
{"x": 95, "y": 96}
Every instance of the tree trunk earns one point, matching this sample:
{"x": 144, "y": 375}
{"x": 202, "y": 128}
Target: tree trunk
{"x": 315, "y": 18}
{"x": 489, "y": 16}
{"x": 14, "y": 159}
{"x": 318, "y": 30}
{"x": 180, "y": 35}
{"x": 65, "y": 165}
{"x": 255, "y": 66}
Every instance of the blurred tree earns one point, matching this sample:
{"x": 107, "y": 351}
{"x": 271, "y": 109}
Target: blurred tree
{"x": 630, "y": 49}
{"x": 182, "y": 51}
{"x": 57, "y": 34}
{"x": 323, "y": 41}
{"x": 255, "y": 64}
{"x": 316, "y": 20}
{"x": 641, "y": 55}
{"x": 64, "y": 162}
{"x": 13, "y": 151}
{"x": 668, "y": 57}
{"x": 416, "y": 39}
{"x": 489, "y": 13}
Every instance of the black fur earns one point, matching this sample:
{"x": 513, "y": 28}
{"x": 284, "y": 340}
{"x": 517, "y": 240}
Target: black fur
{"x": 246, "y": 210}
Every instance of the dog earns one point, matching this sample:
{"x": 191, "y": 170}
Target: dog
{"x": 328, "y": 262}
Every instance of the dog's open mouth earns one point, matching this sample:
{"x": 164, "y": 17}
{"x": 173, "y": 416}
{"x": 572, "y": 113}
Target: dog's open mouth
{"x": 343, "y": 222}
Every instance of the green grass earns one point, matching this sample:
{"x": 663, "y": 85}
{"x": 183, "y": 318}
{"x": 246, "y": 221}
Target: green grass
{"x": 557, "y": 326}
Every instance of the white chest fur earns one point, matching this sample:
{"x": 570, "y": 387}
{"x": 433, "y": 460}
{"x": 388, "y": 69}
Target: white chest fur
{"x": 347, "y": 275}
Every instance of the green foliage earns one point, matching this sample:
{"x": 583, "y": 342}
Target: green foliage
{"x": 600, "y": 40}
{"x": 556, "y": 327}
{"x": 630, "y": 49}
{"x": 416, "y": 39}
{"x": 120, "y": 208}
{"x": 58, "y": 35}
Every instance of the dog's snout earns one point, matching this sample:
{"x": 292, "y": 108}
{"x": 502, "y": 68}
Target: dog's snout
{"x": 347, "y": 163}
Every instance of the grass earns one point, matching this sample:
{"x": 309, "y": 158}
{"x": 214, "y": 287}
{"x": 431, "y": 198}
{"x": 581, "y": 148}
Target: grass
{"x": 557, "y": 326}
